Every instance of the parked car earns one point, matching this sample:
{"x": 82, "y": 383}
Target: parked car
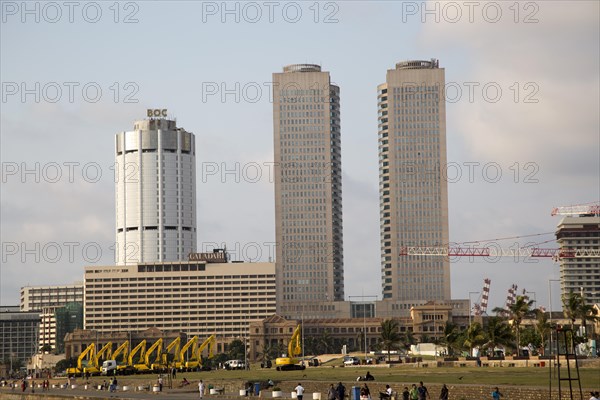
{"x": 351, "y": 360}
{"x": 234, "y": 364}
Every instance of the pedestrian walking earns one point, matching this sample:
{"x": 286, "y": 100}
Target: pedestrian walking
{"x": 299, "y": 391}
{"x": 160, "y": 383}
{"x": 414, "y": 393}
{"x": 332, "y": 393}
{"x": 405, "y": 393}
{"x": 341, "y": 391}
{"x": 365, "y": 392}
{"x": 423, "y": 392}
{"x": 496, "y": 394}
{"x": 201, "y": 388}
{"x": 444, "y": 393}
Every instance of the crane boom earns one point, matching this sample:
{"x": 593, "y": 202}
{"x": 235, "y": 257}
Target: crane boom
{"x": 457, "y": 251}
{"x": 593, "y": 209}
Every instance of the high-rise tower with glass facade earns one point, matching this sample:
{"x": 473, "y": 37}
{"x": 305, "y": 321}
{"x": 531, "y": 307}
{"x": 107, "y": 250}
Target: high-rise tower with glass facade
{"x": 413, "y": 191}
{"x": 308, "y": 191}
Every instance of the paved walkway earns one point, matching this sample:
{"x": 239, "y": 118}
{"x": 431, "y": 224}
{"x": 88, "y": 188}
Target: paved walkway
{"x": 80, "y": 393}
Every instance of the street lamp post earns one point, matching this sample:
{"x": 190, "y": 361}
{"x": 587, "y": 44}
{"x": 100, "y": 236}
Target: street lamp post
{"x": 534, "y": 298}
{"x": 302, "y": 325}
{"x": 470, "y": 293}
{"x": 550, "y": 308}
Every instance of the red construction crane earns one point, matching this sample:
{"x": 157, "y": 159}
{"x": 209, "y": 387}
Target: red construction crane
{"x": 457, "y": 251}
{"x": 495, "y": 251}
{"x": 481, "y": 307}
{"x": 579, "y": 209}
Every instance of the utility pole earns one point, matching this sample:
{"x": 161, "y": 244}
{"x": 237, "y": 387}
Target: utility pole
{"x": 470, "y": 306}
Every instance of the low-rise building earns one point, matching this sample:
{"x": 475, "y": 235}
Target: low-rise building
{"x": 18, "y": 334}
{"x": 196, "y": 297}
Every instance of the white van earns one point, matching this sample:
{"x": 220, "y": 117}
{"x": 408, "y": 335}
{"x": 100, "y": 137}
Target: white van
{"x": 234, "y": 364}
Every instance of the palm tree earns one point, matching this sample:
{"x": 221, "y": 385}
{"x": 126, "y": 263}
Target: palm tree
{"x": 390, "y": 336}
{"x": 574, "y": 307}
{"x": 267, "y": 352}
{"x": 324, "y": 343}
{"x": 516, "y": 312}
{"x": 498, "y": 333}
{"x": 474, "y": 336}
{"x": 572, "y": 304}
{"x": 450, "y": 338}
{"x": 542, "y": 327}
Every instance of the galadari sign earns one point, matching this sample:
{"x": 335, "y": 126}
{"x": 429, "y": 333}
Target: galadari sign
{"x": 219, "y": 257}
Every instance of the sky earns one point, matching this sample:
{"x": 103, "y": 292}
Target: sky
{"x": 522, "y": 93}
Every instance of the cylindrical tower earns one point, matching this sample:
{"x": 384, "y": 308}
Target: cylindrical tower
{"x": 155, "y": 192}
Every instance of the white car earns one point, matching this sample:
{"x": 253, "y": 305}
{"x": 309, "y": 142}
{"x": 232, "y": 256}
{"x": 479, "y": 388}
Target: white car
{"x": 351, "y": 361}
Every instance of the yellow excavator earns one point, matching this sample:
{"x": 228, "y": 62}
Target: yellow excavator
{"x": 172, "y": 348}
{"x": 180, "y": 363}
{"x": 104, "y": 353}
{"x": 195, "y": 362}
{"x": 141, "y": 348}
{"x": 290, "y": 363}
{"x": 147, "y": 365}
{"x": 112, "y": 367}
{"x": 89, "y": 353}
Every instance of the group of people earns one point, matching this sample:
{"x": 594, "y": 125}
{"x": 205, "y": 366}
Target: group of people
{"x": 336, "y": 393}
{"x": 414, "y": 393}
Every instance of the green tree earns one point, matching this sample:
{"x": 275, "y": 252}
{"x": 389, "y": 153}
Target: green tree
{"x": 572, "y": 305}
{"x": 530, "y": 336}
{"x": 498, "y": 333}
{"x": 391, "y": 339}
{"x": 236, "y": 349}
{"x": 450, "y": 337}
{"x": 409, "y": 340}
{"x": 474, "y": 336}
{"x": 266, "y": 353}
{"x": 516, "y": 312}
{"x": 62, "y": 365}
{"x": 575, "y": 307}
{"x": 46, "y": 348}
{"x": 543, "y": 327}
{"x": 324, "y": 343}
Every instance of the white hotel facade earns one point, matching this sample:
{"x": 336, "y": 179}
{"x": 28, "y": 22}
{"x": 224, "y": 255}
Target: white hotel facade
{"x": 193, "y": 297}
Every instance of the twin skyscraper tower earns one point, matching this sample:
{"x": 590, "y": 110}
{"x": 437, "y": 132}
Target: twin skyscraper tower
{"x": 156, "y": 215}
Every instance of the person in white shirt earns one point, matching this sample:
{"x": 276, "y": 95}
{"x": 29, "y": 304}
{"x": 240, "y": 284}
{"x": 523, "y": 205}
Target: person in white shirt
{"x": 387, "y": 394}
{"x": 201, "y": 388}
{"x": 299, "y": 391}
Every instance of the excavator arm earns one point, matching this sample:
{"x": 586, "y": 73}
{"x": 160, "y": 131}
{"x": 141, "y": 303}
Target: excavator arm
{"x": 141, "y": 346}
{"x": 193, "y": 342}
{"x": 94, "y": 367}
{"x": 122, "y": 349}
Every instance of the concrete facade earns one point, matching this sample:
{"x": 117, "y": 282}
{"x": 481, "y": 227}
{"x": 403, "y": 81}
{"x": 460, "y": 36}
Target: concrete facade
{"x": 308, "y": 191}
{"x": 413, "y": 189}
{"x": 46, "y": 300}
{"x": 357, "y": 334}
{"x": 18, "y": 334}
{"x": 155, "y": 192}
{"x": 580, "y": 275}
{"x": 192, "y": 297}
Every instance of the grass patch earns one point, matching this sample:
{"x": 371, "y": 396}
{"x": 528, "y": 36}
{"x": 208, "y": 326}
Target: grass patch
{"x": 517, "y": 376}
